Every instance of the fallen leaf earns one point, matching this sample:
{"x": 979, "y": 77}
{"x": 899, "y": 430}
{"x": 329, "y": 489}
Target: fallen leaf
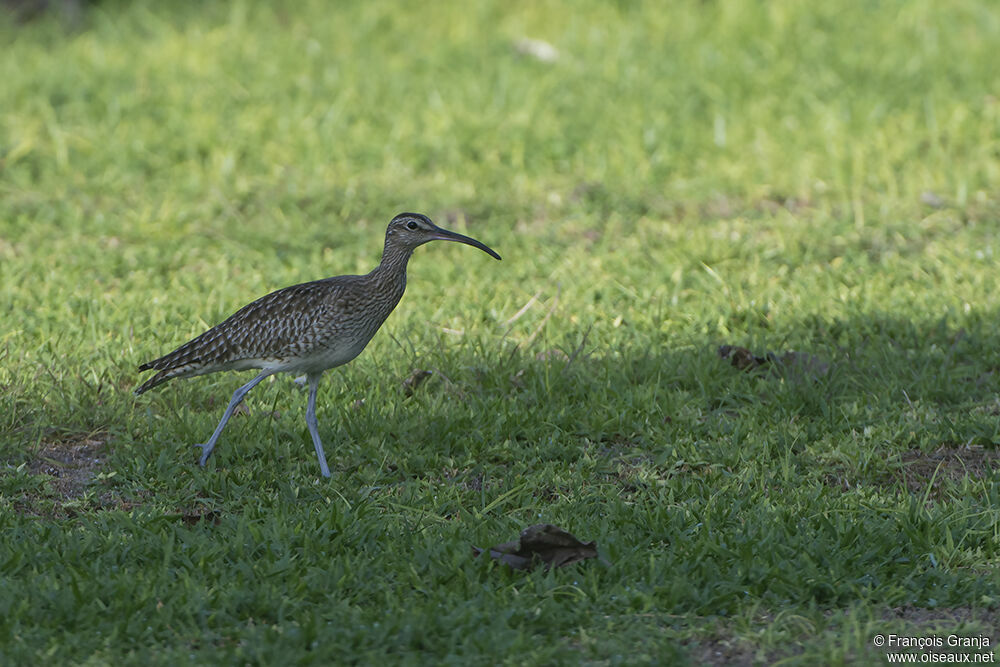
{"x": 416, "y": 379}
{"x": 741, "y": 358}
{"x": 799, "y": 363}
{"x": 542, "y": 543}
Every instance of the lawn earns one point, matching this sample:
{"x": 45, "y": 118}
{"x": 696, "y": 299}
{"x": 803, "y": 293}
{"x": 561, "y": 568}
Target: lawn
{"x": 816, "y": 185}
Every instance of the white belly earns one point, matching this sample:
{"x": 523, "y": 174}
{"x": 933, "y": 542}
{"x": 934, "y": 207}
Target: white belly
{"x": 315, "y": 362}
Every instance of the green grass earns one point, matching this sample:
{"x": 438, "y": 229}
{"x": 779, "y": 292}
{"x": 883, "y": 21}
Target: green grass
{"x": 818, "y": 177}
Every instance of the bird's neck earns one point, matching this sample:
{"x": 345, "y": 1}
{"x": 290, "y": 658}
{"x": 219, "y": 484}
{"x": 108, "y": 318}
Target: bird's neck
{"x": 393, "y": 264}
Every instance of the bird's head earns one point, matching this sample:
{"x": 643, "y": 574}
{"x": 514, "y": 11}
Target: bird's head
{"x": 409, "y": 230}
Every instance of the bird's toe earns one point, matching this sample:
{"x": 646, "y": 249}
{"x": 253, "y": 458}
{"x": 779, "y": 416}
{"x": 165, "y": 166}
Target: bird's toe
{"x": 206, "y": 450}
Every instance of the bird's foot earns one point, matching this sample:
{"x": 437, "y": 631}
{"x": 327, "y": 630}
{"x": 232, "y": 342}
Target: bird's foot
{"x": 206, "y": 451}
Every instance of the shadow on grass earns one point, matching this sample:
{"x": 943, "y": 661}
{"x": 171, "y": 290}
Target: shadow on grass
{"x": 922, "y": 393}
{"x": 876, "y": 399}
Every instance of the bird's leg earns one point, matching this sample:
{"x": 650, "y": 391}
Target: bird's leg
{"x": 206, "y": 449}
{"x": 311, "y": 423}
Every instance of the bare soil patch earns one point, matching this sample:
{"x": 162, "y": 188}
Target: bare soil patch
{"x": 723, "y": 648}
{"x": 732, "y": 651}
{"x": 70, "y": 463}
{"x": 919, "y": 469}
{"x": 986, "y": 621}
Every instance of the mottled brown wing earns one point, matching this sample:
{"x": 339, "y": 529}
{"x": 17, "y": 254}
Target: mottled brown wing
{"x": 281, "y": 324}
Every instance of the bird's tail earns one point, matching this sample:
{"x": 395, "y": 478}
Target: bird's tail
{"x": 154, "y": 381}
{"x": 185, "y": 360}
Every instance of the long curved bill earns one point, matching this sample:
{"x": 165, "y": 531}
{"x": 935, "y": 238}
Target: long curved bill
{"x": 445, "y": 235}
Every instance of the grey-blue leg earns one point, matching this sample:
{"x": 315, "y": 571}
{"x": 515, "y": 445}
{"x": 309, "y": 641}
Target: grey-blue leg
{"x": 206, "y": 449}
{"x": 311, "y": 423}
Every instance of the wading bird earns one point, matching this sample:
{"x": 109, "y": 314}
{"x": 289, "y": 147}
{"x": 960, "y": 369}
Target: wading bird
{"x": 305, "y": 329}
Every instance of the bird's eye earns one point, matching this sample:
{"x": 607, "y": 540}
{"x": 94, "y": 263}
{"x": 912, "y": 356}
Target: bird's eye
{"x": 412, "y": 226}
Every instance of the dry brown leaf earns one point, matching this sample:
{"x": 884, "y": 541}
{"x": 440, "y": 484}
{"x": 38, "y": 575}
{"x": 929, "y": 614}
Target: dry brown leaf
{"x": 799, "y": 363}
{"x": 741, "y": 358}
{"x": 417, "y": 378}
{"x": 543, "y": 544}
